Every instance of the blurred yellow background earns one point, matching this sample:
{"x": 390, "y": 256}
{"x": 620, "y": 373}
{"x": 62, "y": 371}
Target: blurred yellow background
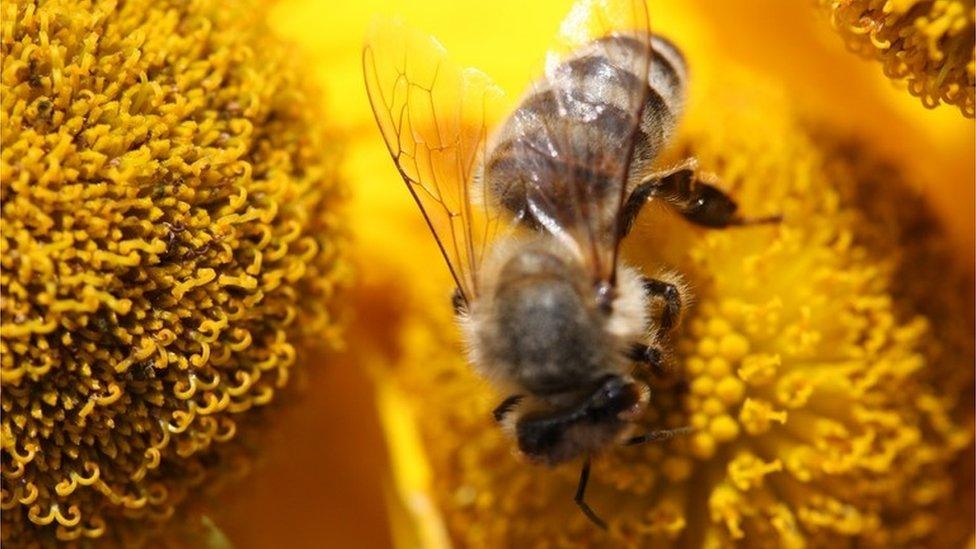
{"x": 322, "y": 483}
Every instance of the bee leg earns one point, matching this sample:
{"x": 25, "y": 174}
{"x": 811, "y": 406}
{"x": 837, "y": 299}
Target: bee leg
{"x": 696, "y": 200}
{"x": 581, "y": 491}
{"x": 649, "y": 356}
{"x": 506, "y": 407}
{"x": 458, "y": 302}
{"x": 671, "y": 295}
{"x": 655, "y": 436}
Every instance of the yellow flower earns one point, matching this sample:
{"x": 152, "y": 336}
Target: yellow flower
{"x": 169, "y": 237}
{"x": 929, "y": 44}
{"x": 403, "y": 322}
{"x": 808, "y": 375}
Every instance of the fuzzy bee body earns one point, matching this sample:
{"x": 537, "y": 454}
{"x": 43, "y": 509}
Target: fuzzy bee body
{"x": 538, "y": 331}
{"x": 529, "y": 217}
{"x": 538, "y": 328}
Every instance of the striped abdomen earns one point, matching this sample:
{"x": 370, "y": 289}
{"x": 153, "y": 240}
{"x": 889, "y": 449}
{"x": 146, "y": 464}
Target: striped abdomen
{"x": 558, "y": 158}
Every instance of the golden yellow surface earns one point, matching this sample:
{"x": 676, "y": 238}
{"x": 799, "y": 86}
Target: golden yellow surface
{"x": 170, "y": 236}
{"x": 791, "y": 43}
{"x": 929, "y": 45}
{"x": 817, "y": 126}
{"x": 791, "y": 120}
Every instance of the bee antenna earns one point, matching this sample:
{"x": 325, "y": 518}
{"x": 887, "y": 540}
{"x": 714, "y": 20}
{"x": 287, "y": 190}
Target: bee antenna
{"x": 581, "y": 491}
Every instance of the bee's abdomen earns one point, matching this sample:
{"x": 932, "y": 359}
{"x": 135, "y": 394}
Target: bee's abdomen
{"x": 576, "y": 124}
{"x": 665, "y": 99}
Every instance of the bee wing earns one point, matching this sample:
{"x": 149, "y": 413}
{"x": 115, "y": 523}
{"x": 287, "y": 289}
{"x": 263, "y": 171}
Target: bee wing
{"x": 433, "y": 116}
{"x": 572, "y": 141}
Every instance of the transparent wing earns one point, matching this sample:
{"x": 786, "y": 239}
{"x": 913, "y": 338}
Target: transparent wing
{"x": 433, "y": 116}
{"x": 567, "y": 150}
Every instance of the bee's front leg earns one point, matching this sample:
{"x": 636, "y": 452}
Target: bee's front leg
{"x": 671, "y": 295}
{"x": 458, "y": 302}
{"x": 649, "y": 356}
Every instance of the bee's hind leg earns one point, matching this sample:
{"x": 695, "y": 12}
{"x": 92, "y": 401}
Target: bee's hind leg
{"x": 698, "y": 201}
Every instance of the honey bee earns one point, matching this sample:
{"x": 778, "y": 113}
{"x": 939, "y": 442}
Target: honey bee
{"x": 529, "y": 217}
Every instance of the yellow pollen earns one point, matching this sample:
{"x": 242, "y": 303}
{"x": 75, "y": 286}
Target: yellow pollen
{"x": 702, "y": 445}
{"x": 929, "y": 45}
{"x": 170, "y": 242}
{"x": 703, "y": 386}
{"x": 730, "y": 390}
{"x": 724, "y": 428}
{"x": 707, "y": 347}
{"x": 757, "y": 416}
{"x": 718, "y": 367}
{"x": 713, "y": 406}
{"x": 759, "y": 369}
{"x": 676, "y": 469}
{"x": 733, "y": 347}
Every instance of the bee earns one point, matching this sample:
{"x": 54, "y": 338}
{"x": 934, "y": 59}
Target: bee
{"x": 529, "y": 217}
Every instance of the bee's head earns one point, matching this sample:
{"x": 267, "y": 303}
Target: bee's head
{"x": 599, "y": 419}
